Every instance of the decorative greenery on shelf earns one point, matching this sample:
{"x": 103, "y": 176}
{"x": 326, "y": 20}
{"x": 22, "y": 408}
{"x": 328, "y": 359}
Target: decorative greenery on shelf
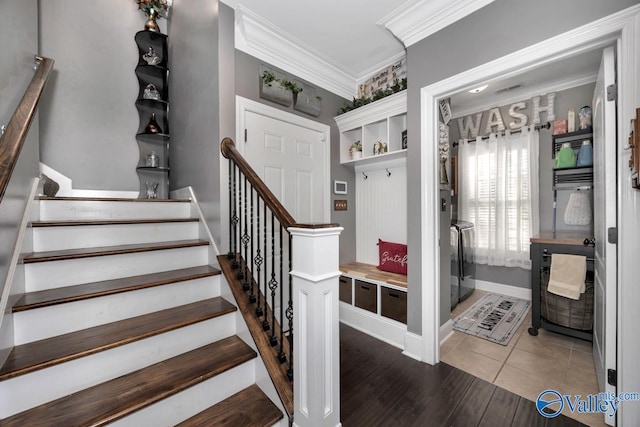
{"x": 160, "y": 7}
{"x": 269, "y": 77}
{"x": 356, "y": 146}
{"x": 379, "y": 94}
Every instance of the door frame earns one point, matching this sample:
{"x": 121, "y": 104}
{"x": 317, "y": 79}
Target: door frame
{"x": 619, "y": 27}
{"x": 244, "y": 105}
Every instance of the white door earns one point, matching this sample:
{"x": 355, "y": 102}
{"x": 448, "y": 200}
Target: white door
{"x": 605, "y": 202}
{"x": 290, "y": 159}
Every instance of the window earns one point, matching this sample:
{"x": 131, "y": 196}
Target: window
{"x": 499, "y": 194}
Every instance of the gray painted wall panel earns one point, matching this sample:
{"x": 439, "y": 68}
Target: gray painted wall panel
{"x": 19, "y": 30}
{"x": 200, "y": 67}
{"x": 500, "y": 28}
{"x": 88, "y": 115}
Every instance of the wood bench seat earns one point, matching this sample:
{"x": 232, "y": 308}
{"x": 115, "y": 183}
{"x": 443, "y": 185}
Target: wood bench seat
{"x": 369, "y": 272}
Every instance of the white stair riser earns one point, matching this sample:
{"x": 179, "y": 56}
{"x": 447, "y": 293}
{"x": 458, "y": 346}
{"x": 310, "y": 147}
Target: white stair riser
{"x": 25, "y": 391}
{"x": 193, "y": 400}
{"x": 75, "y": 237}
{"x": 46, "y": 322}
{"x": 54, "y": 274}
{"x": 55, "y": 210}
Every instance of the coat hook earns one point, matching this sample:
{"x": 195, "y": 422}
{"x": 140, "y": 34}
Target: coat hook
{"x": 365, "y": 175}
{"x": 388, "y": 173}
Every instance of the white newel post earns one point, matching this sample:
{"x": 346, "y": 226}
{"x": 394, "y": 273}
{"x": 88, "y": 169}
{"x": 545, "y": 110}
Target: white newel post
{"x": 316, "y": 348}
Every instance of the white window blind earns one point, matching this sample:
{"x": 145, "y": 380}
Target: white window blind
{"x": 499, "y": 194}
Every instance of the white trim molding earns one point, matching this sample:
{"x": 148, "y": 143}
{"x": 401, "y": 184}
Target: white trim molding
{"x": 412, "y": 343}
{"x": 499, "y": 288}
{"x": 261, "y": 39}
{"x": 446, "y": 331}
{"x": 524, "y": 94}
{"x": 417, "y": 19}
{"x": 596, "y": 34}
{"x": 66, "y": 187}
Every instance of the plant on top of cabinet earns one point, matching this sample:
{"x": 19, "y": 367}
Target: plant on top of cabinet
{"x": 154, "y": 9}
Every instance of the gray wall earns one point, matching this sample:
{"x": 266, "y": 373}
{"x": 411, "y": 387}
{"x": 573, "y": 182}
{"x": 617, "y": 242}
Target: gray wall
{"x": 199, "y": 40}
{"x": 247, "y": 86}
{"x": 19, "y": 31}
{"x": 88, "y": 116}
{"x": 490, "y": 33}
{"x": 19, "y": 27}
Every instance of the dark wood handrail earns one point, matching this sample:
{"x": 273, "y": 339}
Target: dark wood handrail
{"x": 229, "y": 151}
{"x": 12, "y": 140}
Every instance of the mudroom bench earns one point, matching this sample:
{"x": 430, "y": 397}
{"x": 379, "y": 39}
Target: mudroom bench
{"x": 374, "y": 301}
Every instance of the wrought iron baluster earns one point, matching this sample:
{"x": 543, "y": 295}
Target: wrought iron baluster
{"x": 245, "y": 240}
{"x": 231, "y": 203}
{"x": 281, "y": 356}
{"x": 258, "y": 260}
{"x": 252, "y": 295}
{"x": 234, "y": 219}
{"x": 290, "y": 311}
{"x": 273, "y": 283}
{"x": 265, "y": 320}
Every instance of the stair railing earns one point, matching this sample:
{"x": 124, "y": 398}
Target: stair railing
{"x": 292, "y": 292}
{"x": 15, "y": 132}
{"x": 19, "y": 187}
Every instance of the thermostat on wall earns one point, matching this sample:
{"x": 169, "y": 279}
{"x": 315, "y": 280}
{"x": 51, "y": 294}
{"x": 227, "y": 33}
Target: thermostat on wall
{"x": 339, "y": 187}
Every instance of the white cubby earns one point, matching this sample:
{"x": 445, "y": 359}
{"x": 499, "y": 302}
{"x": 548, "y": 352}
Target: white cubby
{"x": 383, "y": 120}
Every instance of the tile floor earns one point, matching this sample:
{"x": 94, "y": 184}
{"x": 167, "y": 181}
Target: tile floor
{"x": 528, "y": 365}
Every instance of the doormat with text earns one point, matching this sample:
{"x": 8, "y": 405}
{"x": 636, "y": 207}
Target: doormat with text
{"x": 494, "y": 317}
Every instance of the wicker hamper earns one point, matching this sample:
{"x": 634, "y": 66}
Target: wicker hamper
{"x": 575, "y": 314}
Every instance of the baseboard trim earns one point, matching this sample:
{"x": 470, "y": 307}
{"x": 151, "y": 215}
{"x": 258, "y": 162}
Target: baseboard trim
{"x": 412, "y": 346}
{"x": 446, "y": 331}
{"x": 389, "y": 331}
{"x": 66, "y": 187}
{"x": 499, "y": 288}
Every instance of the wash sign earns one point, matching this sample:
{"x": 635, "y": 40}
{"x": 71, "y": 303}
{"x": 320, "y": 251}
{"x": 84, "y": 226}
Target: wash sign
{"x": 496, "y": 121}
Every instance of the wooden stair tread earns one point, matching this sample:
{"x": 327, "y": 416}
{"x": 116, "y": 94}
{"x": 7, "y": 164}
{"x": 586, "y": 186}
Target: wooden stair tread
{"x": 113, "y": 199}
{"x": 51, "y": 351}
{"x": 112, "y": 400}
{"x": 66, "y": 294}
{"x": 109, "y": 250}
{"x": 70, "y": 223}
{"x": 248, "y": 408}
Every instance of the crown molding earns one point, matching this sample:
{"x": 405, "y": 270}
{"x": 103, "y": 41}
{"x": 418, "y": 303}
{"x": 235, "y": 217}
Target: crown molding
{"x": 389, "y": 106}
{"x": 366, "y": 74}
{"x": 259, "y": 38}
{"x": 524, "y": 94}
{"x": 418, "y": 19}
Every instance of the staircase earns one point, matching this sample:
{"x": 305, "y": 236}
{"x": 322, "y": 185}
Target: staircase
{"x": 122, "y": 322}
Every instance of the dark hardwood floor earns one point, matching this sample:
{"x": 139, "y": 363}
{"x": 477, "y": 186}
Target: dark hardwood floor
{"x": 381, "y": 387}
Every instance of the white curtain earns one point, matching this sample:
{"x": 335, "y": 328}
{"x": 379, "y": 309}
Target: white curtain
{"x": 499, "y": 194}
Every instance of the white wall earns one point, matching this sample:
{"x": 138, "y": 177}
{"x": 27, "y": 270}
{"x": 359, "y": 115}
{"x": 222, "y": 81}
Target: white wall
{"x": 381, "y": 212}
{"x": 88, "y": 114}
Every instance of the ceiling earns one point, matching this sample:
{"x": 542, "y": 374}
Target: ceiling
{"x": 338, "y": 44}
{"x": 559, "y": 75}
{"x": 345, "y": 32}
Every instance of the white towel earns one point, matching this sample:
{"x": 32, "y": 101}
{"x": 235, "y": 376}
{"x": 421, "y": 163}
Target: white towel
{"x": 568, "y": 273}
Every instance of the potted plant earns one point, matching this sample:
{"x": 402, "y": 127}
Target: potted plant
{"x": 154, "y": 9}
{"x": 273, "y": 89}
{"x": 356, "y": 150}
